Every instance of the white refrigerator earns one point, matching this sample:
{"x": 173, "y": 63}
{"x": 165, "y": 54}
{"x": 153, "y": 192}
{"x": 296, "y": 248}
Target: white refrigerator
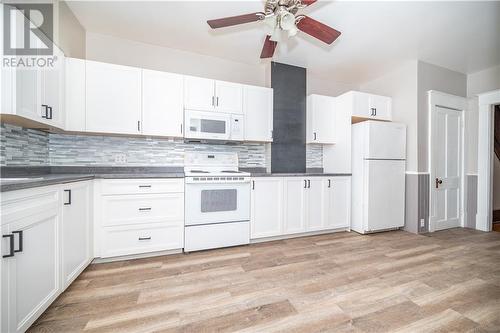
{"x": 378, "y": 176}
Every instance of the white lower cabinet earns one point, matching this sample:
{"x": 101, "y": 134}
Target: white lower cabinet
{"x": 266, "y": 212}
{"x": 294, "y": 205}
{"x": 338, "y": 202}
{"x": 139, "y": 216}
{"x": 76, "y": 230}
{"x": 289, "y": 205}
{"x": 30, "y": 256}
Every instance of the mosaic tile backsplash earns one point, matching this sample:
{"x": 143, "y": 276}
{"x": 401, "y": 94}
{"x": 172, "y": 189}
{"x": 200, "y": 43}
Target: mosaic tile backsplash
{"x": 20, "y": 146}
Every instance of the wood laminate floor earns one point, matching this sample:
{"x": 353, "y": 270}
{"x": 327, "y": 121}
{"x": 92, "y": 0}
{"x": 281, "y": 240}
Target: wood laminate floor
{"x": 344, "y": 282}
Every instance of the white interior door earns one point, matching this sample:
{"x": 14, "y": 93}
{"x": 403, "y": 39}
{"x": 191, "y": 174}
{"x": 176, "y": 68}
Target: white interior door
{"x": 446, "y": 167}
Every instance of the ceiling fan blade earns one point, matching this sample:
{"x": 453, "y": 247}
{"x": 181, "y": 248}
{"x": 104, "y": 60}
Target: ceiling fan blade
{"x": 235, "y": 20}
{"x": 308, "y": 2}
{"x": 268, "y": 48}
{"x": 318, "y": 30}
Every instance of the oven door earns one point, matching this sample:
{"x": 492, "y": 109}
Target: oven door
{"x": 207, "y": 125}
{"x": 208, "y": 203}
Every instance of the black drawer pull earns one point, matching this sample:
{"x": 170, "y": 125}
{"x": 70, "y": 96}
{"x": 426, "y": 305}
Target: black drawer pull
{"x": 329, "y": 183}
{"x": 144, "y": 186}
{"x": 69, "y": 197}
{"x": 145, "y": 238}
{"x": 11, "y": 245}
{"x": 144, "y": 208}
{"x": 20, "y": 234}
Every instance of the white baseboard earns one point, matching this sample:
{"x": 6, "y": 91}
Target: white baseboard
{"x": 136, "y": 256}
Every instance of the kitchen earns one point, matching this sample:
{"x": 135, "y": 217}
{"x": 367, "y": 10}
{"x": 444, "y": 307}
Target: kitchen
{"x": 153, "y": 187}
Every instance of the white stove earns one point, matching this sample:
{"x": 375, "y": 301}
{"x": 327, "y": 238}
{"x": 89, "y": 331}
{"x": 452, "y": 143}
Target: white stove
{"x": 217, "y": 201}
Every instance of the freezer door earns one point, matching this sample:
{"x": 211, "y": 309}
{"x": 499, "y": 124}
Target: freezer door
{"x": 384, "y": 194}
{"x": 385, "y": 140}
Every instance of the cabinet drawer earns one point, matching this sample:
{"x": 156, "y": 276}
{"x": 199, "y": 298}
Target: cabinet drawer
{"x": 135, "y": 239}
{"x": 20, "y": 204}
{"x": 138, "y": 186}
{"x": 142, "y": 208}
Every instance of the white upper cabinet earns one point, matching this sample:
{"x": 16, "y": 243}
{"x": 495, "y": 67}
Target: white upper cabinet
{"x": 113, "y": 98}
{"x": 75, "y": 95}
{"x": 258, "y": 111}
{"x": 228, "y": 97}
{"x": 34, "y": 93}
{"x": 369, "y": 106}
{"x": 52, "y": 91}
{"x": 199, "y": 93}
{"x": 162, "y": 104}
{"x": 320, "y": 121}
{"x": 211, "y": 95}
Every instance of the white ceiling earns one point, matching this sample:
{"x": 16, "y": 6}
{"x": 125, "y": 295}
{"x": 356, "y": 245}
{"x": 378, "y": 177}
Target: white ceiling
{"x": 376, "y": 36}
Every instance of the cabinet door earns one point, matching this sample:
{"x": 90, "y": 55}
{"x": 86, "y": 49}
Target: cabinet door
{"x": 258, "y": 111}
{"x": 228, "y": 97}
{"x": 33, "y": 272}
{"x": 74, "y": 95}
{"x": 320, "y": 119}
{"x": 162, "y": 103}
{"x": 113, "y": 98}
{"x": 75, "y": 231}
{"x": 199, "y": 93}
{"x": 266, "y": 218}
{"x": 315, "y": 199}
{"x": 294, "y": 213}
{"x": 338, "y": 203}
{"x": 380, "y": 107}
{"x": 26, "y": 80}
{"x": 52, "y": 90}
{"x": 361, "y": 105}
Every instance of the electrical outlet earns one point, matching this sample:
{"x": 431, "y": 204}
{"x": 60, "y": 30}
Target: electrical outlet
{"x": 422, "y": 223}
{"x": 120, "y": 158}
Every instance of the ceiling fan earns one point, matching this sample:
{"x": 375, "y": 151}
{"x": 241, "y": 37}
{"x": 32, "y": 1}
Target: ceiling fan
{"x": 283, "y": 21}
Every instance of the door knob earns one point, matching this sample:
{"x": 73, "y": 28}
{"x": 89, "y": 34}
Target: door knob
{"x": 438, "y": 182}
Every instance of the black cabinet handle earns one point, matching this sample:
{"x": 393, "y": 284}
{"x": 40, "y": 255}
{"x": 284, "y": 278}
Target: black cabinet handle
{"x": 69, "y": 197}
{"x": 314, "y": 136}
{"x": 375, "y": 110}
{"x": 20, "y": 234}
{"x": 329, "y": 183}
{"x": 145, "y": 208}
{"x": 253, "y": 184}
{"x": 213, "y": 100}
{"x": 308, "y": 183}
{"x": 144, "y": 238}
{"x": 50, "y": 112}
{"x": 305, "y": 183}
{"x": 181, "y": 128}
{"x": 217, "y": 101}
{"x": 138, "y": 125}
{"x": 46, "y": 115}
{"x": 11, "y": 245}
{"x": 144, "y": 186}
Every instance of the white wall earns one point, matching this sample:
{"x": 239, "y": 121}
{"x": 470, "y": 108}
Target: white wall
{"x": 477, "y": 83}
{"x": 127, "y": 52}
{"x": 131, "y": 53}
{"x": 401, "y": 85}
{"x": 71, "y": 34}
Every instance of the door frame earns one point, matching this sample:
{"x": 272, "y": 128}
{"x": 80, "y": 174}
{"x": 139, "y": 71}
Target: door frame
{"x": 485, "y": 153}
{"x": 457, "y": 103}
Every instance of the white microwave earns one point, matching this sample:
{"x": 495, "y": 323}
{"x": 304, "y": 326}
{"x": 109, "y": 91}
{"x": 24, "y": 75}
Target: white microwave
{"x": 213, "y": 125}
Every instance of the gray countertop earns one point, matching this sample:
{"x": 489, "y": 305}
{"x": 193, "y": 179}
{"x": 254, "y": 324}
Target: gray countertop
{"x": 300, "y": 174}
{"x": 18, "y": 178}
